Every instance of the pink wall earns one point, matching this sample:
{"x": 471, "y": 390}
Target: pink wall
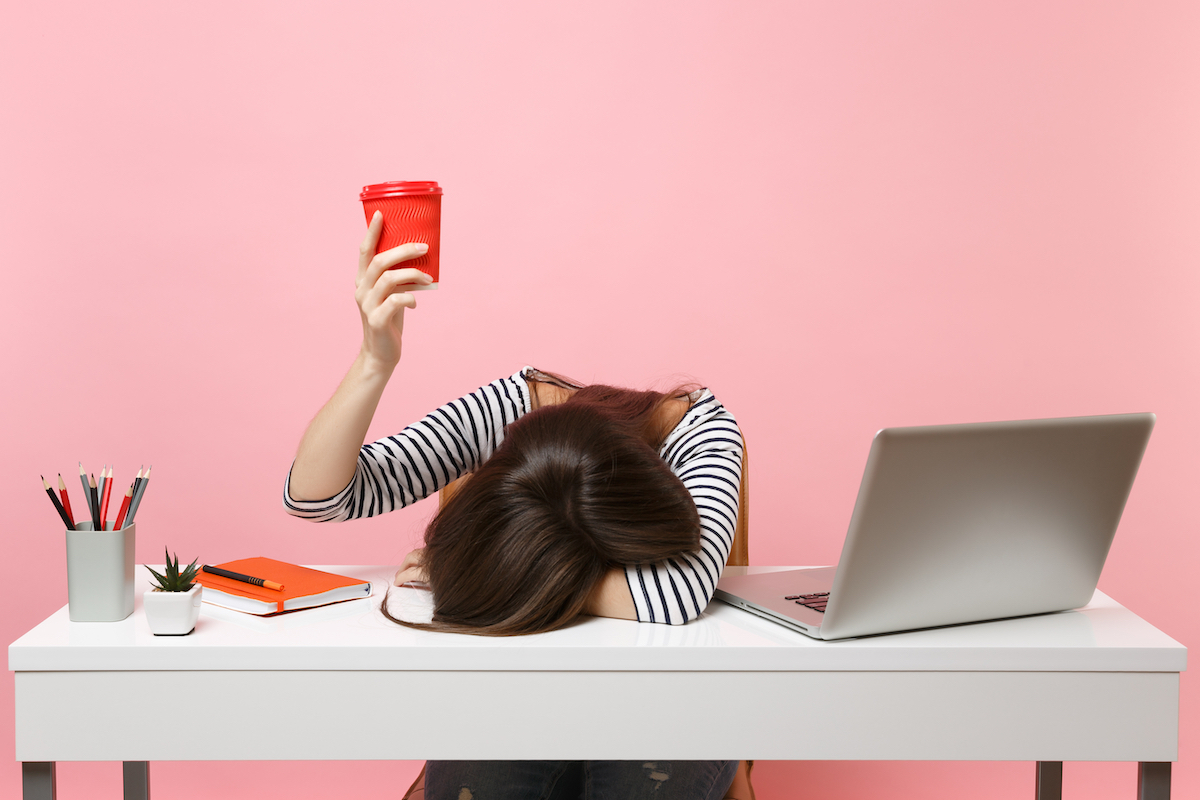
{"x": 840, "y": 216}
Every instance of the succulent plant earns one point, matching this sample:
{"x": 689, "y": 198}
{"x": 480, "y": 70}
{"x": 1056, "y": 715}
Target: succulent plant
{"x": 174, "y": 580}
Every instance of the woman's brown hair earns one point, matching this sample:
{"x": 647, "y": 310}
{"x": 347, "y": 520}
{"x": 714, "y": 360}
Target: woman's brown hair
{"x": 573, "y": 491}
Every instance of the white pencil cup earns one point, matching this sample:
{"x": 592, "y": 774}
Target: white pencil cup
{"x": 100, "y": 573}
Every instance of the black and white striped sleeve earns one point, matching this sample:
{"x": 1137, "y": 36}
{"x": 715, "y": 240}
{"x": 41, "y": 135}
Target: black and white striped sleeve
{"x": 705, "y": 452}
{"x": 399, "y": 470}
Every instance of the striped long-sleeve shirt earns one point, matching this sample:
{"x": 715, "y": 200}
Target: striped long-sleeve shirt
{"x": 704, "y": 451}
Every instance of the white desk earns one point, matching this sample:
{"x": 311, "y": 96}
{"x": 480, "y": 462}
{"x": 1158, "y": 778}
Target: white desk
{"x": 1098, "y": 684}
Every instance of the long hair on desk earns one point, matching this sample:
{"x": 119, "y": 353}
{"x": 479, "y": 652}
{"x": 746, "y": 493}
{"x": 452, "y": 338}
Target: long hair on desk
{"x": 573, "y": 490}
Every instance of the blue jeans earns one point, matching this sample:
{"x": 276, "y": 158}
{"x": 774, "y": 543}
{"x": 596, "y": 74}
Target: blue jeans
{"x": 578, "y": 780}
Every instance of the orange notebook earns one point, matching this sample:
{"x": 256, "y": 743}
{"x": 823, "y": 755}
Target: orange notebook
{"x": 302, "y": 587}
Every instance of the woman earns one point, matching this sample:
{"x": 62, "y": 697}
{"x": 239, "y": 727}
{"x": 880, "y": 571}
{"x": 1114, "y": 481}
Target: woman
{"x": 582, "y": 501}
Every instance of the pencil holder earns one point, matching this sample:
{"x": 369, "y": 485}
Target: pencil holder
{"x": 100, "y": 573}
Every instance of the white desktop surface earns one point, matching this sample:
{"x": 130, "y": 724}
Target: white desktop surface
{"x": 1102, "y": 637}
{"x": 342, "y": 682}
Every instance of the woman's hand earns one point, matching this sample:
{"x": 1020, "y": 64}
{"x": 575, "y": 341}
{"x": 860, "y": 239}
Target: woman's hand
{"x": 413, "y": 568}
{"x": 328, "y": 454}
{"x": 382, "y": 294}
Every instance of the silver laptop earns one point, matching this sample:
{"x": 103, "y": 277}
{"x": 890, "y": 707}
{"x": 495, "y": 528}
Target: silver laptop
{"x": 965, "y": 523}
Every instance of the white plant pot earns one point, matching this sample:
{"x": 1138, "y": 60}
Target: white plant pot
{"x": 172, "y": 613}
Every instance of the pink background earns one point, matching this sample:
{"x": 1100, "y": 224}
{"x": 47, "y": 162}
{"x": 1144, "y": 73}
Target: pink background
{"x": 839, "y": 216}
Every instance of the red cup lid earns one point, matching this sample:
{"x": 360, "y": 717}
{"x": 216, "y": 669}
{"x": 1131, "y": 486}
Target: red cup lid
{"x": 398, "y": 189}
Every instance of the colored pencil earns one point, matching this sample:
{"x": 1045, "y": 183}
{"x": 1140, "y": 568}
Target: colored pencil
{"x": 137, "y": 485}
{"x": 124, "y": 509}
{"x": 100, "y": 484}
{"x": 96, "y": 525}
{"x": 57, "y": 505}
{"x": 87, "y": 495}
{"x": 66, "y": 501}
{"x": 138, "y": 492}
{"x": 237, "y": 576}
{"x": 108, "y": 482}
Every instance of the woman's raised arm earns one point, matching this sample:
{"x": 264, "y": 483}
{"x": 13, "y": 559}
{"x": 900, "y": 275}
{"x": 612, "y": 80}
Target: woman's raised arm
{"x": 329, "y": 449}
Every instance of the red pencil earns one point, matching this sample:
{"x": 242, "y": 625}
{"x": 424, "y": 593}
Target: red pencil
{"x": 62, "y": 490}
{"x": 62, "y": 513}
{"x": 124, "y": 508}
{"x": 104, "y": 501}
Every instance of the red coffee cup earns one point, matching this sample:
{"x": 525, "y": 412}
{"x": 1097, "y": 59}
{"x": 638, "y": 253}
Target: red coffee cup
{"x": 412, "y": 212}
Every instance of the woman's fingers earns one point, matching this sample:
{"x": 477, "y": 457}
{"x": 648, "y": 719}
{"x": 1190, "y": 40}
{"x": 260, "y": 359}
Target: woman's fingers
{"x": 366, "y": 251}
{"x": 381, "y": 262}
{"x": 383, "y": 304}
{"x": 385, "y": 313}
{"x": 392, "y": 284}
{"x": 371, "y": 263}
{"x": 396, "y": 279}
{"x": 412, "y": 574}
{"x": 412, "y": 568}
{"x": 382, "y": 290}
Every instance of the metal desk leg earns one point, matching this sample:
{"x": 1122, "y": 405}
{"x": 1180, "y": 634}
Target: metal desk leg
{"x": 1049, "y": 780}
{"x": 137, "y": 779}
{"x": 1154, "y": 780}
{"x": 38, "y": 780}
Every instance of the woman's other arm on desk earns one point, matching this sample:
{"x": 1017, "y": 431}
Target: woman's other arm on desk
{"x": 328, "y": 453}
{"x": 610, "y": 598}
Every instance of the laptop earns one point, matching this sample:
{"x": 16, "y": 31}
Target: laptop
{"x": 965, "y": 523}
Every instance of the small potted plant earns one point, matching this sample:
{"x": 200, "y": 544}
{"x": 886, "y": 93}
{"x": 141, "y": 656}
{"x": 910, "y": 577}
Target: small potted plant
{"x": 173, "y": 606}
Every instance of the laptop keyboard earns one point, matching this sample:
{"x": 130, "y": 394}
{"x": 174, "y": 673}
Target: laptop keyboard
{"x": 816, "y": 601}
